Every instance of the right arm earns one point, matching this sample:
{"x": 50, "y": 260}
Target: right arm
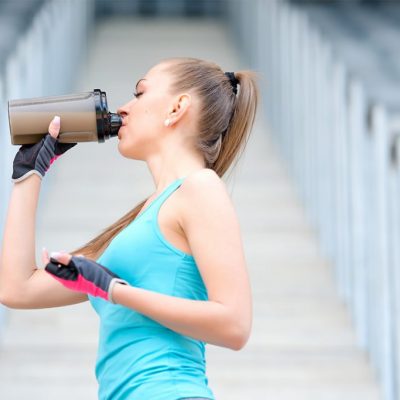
{"x": 22, "y": 283}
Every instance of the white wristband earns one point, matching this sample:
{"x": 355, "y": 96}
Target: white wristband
{"x": 111, "y": 287}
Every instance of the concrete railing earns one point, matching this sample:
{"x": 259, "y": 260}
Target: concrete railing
{"x": 183, "y": 8}
{"x": 44, "y": 63}
{"x": 342, "y": 148}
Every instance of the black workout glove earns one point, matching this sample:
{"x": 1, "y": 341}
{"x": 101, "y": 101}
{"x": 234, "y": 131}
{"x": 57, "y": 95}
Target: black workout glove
{"x": 84, "y": 275}
{"x": 37, "y": 158}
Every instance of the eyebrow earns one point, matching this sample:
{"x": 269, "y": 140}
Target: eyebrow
{"x": 137, "y": 84}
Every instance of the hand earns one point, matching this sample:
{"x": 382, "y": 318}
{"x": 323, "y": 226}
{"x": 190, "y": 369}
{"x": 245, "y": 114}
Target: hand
{"x": 82, "y": 274}
{"x": 37, "y": 158}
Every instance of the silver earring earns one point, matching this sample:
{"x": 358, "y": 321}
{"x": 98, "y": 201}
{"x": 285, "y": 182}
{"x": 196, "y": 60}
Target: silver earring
{"x": 167, "y": 122}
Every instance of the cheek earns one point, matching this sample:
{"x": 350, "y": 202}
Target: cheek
{"x": 144, "y": 116}
{"x": 150, "y": 117}
{"x": 145, "y": 121}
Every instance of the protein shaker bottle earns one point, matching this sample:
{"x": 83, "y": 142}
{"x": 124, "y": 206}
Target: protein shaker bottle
{"x": 84, "y": 118}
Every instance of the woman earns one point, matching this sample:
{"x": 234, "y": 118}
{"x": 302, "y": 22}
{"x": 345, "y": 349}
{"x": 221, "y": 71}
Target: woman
{"x": 170, "y": 275}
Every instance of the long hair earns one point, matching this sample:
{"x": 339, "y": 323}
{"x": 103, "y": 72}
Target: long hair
{"x": 224, "y": 125}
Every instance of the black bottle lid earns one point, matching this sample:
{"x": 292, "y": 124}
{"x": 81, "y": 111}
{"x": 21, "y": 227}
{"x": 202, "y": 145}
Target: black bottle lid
{"x": 107, "y": 123}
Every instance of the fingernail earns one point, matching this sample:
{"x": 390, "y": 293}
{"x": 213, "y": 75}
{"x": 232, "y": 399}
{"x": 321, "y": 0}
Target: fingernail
{"x": 56, "y": 120}
{"x": 43, "y": 248}
{"x": 55, "y": 254}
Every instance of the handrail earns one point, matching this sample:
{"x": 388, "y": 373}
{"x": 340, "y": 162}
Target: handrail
{"x": 45, "y": 61}
{"x": 340, "y": 136}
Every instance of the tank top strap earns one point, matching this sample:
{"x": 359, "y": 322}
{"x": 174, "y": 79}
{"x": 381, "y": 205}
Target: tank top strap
{"x": 156, "y": 203}
{"x": 166, "y": 193}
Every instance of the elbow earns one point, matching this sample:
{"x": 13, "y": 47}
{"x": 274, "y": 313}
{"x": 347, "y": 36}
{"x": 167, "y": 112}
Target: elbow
{"x": 238, "y": 342}
{"x": 8, "y": 300}
{"x": 237, "y": 329}
{"x": 3, "y": 297}
{"x": 239, "y": 336}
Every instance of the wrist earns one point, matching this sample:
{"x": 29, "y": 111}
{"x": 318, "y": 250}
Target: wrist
{"x": 115, "y": 289}
{"x": 31, "y": 176}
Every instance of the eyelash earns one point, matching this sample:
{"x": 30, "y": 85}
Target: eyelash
{"x": 137, "y": 94}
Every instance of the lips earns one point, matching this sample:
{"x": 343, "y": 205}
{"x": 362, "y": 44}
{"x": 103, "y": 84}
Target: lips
{"x": 119, "y": 130}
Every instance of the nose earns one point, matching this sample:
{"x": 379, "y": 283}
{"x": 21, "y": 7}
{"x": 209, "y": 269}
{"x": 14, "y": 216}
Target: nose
{"x": 123, "y": 110}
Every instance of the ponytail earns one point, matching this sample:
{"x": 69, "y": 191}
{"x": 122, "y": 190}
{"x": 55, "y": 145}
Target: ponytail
{"x": 225, "y": 122}
{"x": 244, "y": 112}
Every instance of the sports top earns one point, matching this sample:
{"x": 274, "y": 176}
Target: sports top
{"x": 137, "y": 357}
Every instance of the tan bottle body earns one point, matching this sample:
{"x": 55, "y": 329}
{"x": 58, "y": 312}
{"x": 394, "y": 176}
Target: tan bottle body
{"x": 84, "y": 118}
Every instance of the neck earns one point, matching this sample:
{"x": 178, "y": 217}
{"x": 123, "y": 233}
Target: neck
{"x": 173, "y": 163}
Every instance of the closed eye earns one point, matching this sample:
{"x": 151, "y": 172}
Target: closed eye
{"x": 137, "y": 94}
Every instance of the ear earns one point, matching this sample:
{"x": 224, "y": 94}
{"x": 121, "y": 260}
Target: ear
{"x": 179, "y": 107}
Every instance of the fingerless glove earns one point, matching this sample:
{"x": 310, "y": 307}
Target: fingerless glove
{"x": 37, "y": 158}
{"x": 86, "y": 276}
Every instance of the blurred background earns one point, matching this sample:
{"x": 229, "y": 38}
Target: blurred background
{"x": 317, "y": 190}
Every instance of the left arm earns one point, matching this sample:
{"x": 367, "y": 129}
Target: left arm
{"x": 209, "y": 221}
{"x": 208, "y": 321}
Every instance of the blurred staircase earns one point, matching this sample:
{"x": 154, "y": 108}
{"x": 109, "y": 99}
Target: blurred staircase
{"x": 303, "y": 346}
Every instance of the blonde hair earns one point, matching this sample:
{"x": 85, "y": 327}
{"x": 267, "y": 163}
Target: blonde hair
{"x": 224, "y": 125}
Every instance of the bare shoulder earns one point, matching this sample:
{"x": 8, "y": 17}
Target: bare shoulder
{"x": 200, "y": 179}
{"x": 203, "y": 183}
{"x": 204, "y": 192}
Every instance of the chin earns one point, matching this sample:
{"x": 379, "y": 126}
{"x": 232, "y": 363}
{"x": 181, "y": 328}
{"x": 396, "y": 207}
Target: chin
{"x": 128, "y": 152}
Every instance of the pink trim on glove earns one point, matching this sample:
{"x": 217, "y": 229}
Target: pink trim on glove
{"x": 82, "y": 285}
{"x": 52, "y": 160}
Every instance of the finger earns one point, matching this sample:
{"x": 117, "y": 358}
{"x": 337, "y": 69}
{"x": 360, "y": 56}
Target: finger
{"x": 45, "y": 256}
{"x": 52, "y": 268}
{"x": 54, "y": 127}
{"x": 61, "y": 272}
{"x": 62, "y": 257}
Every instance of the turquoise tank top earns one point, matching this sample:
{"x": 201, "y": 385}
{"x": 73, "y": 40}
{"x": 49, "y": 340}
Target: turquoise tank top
{"x": 138, "y": 358}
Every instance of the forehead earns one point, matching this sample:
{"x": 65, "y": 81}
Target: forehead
{"x": 157, "y": 74}
{"x": 156, "y": 77}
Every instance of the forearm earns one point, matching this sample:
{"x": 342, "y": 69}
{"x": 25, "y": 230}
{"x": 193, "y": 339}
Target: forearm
{"x": 18, "y": 261}
{"x": 208, "y": 321}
